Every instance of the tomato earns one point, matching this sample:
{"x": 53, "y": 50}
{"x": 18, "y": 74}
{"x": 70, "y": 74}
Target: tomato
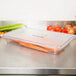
{"x": 60, "y": 30}
{"x": 71, "y": 31}
{"x": 53, "y": 29}
{"x": 5, "y": 31}
{"x": 74, "y": 28}
{"x": 64, "y": 31}
{"x": 57, "y": 28}
{"x": 49, "y": 28}
{"x": 68, "y": 27}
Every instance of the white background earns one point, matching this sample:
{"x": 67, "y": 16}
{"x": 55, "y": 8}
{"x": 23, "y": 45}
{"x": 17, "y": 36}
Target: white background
{"x": 37, "y": 9}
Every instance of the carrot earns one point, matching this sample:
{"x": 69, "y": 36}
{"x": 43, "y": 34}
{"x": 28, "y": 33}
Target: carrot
{"x": 44, "y": 49}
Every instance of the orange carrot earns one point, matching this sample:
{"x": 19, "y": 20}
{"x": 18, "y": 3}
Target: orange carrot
{"x": 44, "y": 49}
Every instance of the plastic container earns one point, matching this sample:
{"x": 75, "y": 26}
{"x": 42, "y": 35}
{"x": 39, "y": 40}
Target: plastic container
{"x": 45, "y": 41}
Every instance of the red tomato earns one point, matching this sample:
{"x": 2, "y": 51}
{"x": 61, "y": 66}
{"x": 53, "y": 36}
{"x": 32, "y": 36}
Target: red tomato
{"x": 60, "y": 30}
{"x": 53, "y": 29}
{"x": 49, "y": 28}
{"x": 68, "y": 27}
{"x": 5, "y": 31}
{"x": 57, "y": 28}
{"x": 64, "y": 31}
{"x": 71, "y": 31}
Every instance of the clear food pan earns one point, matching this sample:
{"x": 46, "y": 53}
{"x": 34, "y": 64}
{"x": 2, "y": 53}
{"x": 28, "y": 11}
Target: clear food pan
{"x": 42, "y": 40}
